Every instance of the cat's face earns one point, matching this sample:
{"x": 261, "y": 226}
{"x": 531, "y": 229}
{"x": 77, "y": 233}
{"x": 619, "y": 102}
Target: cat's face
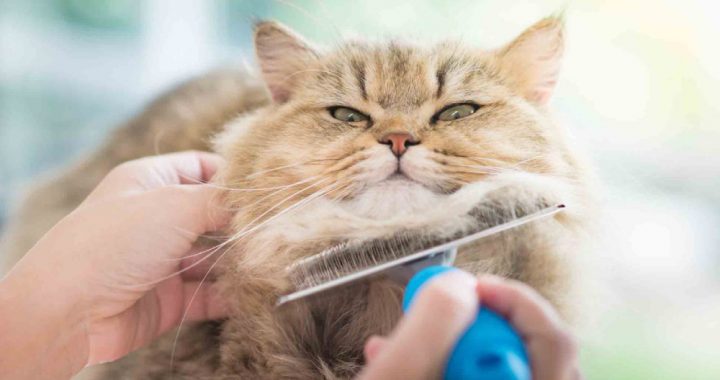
{"x": 389, "y": 123}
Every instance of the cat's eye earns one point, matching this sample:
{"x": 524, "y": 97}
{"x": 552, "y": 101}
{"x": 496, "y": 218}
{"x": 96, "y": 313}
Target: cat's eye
{"x": 456, "y": 111}
{"x": 348, "y": 114}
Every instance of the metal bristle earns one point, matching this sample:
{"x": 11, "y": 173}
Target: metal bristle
{"x": 347, "y": 261}
{"x": 349, "y": 257}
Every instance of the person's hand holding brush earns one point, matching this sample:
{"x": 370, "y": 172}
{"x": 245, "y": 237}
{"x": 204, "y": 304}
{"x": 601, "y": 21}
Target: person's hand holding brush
{"x": 420, "y": 345}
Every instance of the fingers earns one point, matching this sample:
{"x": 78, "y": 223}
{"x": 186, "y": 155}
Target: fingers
{"x": 165, "y": 189}
{"x": 194, "y": 208}
{"x": 186, "y": 302}
{"x": 202, "y": 302}
{"x": 199, "y": 261}
{"x": 191, "y": 167}
{"x": 419, "y": 346}
{"x": 521, "y": 305}
{"x": 183, "y": 168}
{"x": 551, "y": 346}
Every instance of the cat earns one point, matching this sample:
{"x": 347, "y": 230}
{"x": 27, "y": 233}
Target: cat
{"x": 358, "y": 142}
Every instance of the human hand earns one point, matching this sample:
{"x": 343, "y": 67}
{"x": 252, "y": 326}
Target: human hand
{"x": 421, "y": 343}
{"x": 107, "y": 275}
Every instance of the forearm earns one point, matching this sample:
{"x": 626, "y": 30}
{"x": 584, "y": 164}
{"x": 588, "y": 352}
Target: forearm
{"x": 40, "y": 338}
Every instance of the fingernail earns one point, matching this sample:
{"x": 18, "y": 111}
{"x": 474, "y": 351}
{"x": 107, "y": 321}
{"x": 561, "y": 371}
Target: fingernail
{"x": 459, "y": 284}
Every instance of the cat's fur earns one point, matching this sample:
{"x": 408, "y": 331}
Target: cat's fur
{"x": 327, "y": 181}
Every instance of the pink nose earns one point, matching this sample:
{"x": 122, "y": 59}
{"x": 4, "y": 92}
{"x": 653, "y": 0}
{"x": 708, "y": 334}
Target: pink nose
{"x": 398, "y": 142}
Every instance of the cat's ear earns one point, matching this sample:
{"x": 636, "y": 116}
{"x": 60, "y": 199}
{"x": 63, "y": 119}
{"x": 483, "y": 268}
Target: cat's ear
{"x": 532, "y": 61}
{"x": 282, "y": 56}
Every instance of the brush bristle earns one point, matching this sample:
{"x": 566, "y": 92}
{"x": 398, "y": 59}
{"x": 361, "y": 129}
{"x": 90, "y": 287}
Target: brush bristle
{"x": 354, "y": 256}
{"x": 350, "y": 257}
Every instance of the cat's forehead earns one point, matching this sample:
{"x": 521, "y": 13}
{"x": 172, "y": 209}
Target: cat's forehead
{"x": 400, "y": 75}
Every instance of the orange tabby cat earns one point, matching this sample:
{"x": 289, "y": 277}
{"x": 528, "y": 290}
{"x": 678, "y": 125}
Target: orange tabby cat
{"x": 358, "y": 142}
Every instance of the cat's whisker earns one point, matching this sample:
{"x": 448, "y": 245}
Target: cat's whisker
{"x": 346, "y": 163}
{"x": 261, "y": 172}
{"x": 295, "y": 206}
{"x": 483, "y": 160}
{"x": 253, "y": 175}
{"x": 192, "y": 235}
{"x": 515, "y": 164}
{"x": 234, "y": 236}
{"x": 475, "y": 172}
{"x": 256, "y": 203}
{"x": 256, "y": 174}
{"x": 249, "y": 228}
{"x": 281, "y": 202}
{"x": 257, "y": 189}
{"x": 281, "y": 187}
{"x": 211, "y": 251}
{"x": 207, "y": 253}
{"x": 535, "y": 158}
{"x": 220, "y": 239}
{"x": 244, "y": 207}
{"x": 488, "y": 169}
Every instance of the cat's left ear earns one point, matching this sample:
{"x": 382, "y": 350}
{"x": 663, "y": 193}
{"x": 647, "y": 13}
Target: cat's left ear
{"x": 283, "y": 56}
{"x": 531, "y": 62}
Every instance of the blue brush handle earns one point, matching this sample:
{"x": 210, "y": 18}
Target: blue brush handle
{"x": 490, "y": 349}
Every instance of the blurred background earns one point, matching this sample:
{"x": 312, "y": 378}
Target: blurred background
{"x": 639, "y": 91}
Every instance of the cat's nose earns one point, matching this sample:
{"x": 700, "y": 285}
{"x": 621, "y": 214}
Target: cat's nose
{"x": 399, "y": 142}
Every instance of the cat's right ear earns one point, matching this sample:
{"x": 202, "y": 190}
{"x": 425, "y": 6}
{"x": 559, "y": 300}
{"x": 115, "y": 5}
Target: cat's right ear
{"x": 282, "y": 56}
{"x": 532, "y": 60}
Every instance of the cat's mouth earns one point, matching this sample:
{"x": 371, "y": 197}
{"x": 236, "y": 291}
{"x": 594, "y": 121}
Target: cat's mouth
{"x": 409, "y": 176}
{"x": 395, "y": 196}
{"x": 401, "y": 177}
{"x": 402, "y": 185}
{"x": 400, "y": 173}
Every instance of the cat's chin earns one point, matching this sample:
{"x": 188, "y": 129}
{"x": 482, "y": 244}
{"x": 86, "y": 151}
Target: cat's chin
{"x": 396, "y": 196}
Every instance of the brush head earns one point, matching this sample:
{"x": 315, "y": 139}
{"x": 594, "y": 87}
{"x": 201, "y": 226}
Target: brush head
{"x": 401, "y": 255}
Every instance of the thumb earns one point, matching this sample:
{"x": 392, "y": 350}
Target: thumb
{"x": 373, "y": 346}
{"x": 421, "y": 343}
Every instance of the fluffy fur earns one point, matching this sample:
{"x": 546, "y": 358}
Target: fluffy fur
{"x": 300, "y": 181}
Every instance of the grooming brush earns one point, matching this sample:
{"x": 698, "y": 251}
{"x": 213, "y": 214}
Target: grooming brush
{"x": 489, "y": 349}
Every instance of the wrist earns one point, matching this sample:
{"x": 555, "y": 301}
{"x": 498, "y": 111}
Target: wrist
{"x": 44, "y": 334}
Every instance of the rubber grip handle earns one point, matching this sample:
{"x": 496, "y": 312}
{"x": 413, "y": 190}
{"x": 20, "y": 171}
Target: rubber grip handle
{"x": 489, "y": 349}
